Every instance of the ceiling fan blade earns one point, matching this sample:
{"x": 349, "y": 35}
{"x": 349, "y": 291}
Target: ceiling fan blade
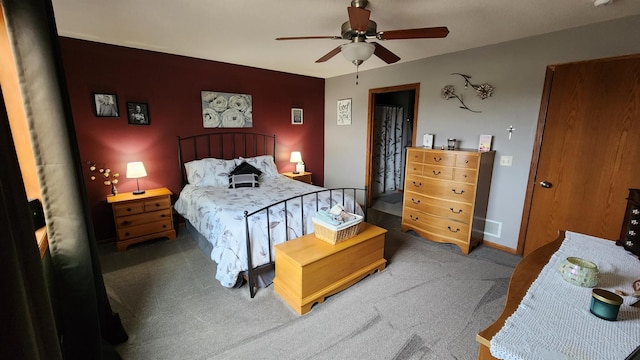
{"x": 358, "y": 18}
{"x": 385, "y": 54}
{"x": 309, "y": 37}
{"x": 329, "y": 55}
{"x": 422, "y": 33}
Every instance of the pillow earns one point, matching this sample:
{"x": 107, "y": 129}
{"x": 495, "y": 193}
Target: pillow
{"x": 263, "y": 163}
{"x": 209, "y": 172}
{"x": 243, "y": 180}
{"x": 244, "y": 175}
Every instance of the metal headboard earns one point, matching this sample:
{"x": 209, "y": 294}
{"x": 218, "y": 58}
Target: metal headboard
{"x": 223, "y": 145}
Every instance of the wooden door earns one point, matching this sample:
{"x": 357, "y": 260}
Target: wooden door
{"x": 590, "y": 151}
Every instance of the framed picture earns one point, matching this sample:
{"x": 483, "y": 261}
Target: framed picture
{"x": 485, "y": 143}
{"x": 226, "y": 110}
{"x": 138, "y": 113}
{"x": 344, "y": 112}
{"x": 105, "y": 105}
{"x": 296, "y": 116}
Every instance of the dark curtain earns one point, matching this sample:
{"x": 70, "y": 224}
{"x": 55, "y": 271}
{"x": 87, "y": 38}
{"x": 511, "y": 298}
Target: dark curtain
{"x": 83, "y": 314}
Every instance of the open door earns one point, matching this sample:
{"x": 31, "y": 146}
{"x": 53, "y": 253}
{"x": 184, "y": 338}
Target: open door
{"x": 588, "y": 151}
{"x": 407, "y": 138}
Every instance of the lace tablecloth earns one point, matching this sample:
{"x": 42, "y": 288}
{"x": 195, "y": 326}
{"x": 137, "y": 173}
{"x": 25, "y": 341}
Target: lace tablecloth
{"x": 553, "y": 319}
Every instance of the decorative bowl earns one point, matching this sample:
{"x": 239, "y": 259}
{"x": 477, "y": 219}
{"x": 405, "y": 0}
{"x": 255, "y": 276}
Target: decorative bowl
{"x": 579, "y": 272}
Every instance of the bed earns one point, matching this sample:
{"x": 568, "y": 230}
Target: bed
{"x": 237, "y": 227}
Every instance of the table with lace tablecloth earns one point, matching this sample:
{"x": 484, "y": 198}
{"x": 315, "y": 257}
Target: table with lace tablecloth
{"x": 553, "y": 320}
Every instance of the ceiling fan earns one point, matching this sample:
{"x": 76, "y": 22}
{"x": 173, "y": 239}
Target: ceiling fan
{"x": 359, "y": 28}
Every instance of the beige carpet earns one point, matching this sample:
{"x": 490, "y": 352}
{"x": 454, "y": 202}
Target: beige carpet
{"x": 428, "y": 303}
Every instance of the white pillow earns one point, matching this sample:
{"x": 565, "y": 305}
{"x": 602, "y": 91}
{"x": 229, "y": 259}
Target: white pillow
{"x": 209, "y": 172}
{"x": 263, "y": 163}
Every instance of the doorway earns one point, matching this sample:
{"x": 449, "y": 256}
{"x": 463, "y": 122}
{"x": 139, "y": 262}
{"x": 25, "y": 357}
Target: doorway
{"x": 391, "y": 126}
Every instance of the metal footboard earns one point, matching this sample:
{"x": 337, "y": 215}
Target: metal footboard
{"x": 252, "y": 271}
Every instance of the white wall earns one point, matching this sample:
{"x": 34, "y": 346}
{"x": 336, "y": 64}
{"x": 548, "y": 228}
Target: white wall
{"x": 516, "y": 69}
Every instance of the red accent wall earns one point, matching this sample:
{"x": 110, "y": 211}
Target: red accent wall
{"x": 171, "y": 85}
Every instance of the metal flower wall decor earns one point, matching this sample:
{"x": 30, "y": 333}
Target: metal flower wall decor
{"x": 483, "y": 91}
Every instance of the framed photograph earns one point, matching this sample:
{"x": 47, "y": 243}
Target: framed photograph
{"x": 296, "y": 116}
{"x": 138, "y": 113}
{"x": 226, "y": 110}
{"x": 105, "y": 105}
{"x": 344, "y": 112}
{"x": 485, "y": 143}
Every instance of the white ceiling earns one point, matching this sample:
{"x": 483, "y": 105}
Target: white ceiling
{"x": 244, "y": 31}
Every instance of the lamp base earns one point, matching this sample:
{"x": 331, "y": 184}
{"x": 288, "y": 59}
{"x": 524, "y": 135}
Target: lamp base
{"x": 296, "y": 172}
{"x": 138, "y": 192}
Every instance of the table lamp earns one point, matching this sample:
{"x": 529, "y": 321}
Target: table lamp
{"x": 135, "y": 170}
{"x": 296, "y": 157}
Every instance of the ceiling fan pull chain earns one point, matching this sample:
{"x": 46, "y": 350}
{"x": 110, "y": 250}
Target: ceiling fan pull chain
{"x": 357, "y": 73}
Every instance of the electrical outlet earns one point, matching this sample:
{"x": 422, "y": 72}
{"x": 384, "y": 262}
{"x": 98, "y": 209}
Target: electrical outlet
{"x": 506, "y": 160}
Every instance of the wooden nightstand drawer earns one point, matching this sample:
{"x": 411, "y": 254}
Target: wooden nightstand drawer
{"x": 128, "y": 208}
{"x": 144, "y": 229}
{"x": 144, "y": 218}
{"x": 157, "y": 204}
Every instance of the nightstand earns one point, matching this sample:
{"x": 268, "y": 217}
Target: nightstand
{"x": 303, "y": 176}
{"x": 142, "y": 217}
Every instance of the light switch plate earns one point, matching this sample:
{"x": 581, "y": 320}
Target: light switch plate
{"x": 506, "y": 160}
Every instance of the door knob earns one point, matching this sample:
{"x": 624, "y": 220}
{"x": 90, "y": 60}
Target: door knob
{"x": 545, "y": 184}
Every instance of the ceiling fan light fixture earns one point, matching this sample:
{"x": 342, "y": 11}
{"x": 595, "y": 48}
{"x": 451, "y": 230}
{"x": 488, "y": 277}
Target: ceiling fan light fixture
{"x": 358, "y": 52}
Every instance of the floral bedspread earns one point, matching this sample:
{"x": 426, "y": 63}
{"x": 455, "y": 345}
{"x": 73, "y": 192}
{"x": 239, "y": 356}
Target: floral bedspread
{"x": 218, "y": 214}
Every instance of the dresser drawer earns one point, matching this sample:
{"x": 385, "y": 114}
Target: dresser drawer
{"x": 415, "y": 156}
{"x": 143, "y": 218}
{"x": 128, "y": 208}
{"x": 439, "y": 227}
{"x": 467, "y": 160}
{"x": 447, "y": 209}
{"x": 438, "y": 172}
{"x": 465, "y": 175}
{"x": 414, "y": 168}
{"x": 144, "y": 229}
{"x": 439, "y": 158}
{"x": 442, "y": 189}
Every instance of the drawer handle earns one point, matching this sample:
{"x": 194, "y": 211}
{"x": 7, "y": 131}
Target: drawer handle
{"x": 455, "y": 212}
{"x": 157, "y": 205}
{"x": 128, "y": 209}
{"x": 466, "y": 161}
{"x": 436, "y": 173}
{"x": 417, "y": 184}
{"x": 126, "y": 222}
{"x": 449, "y": 227}
{"x": 464, "y": 176}
{"x": 457, "y": 193}
{"x": 413, "y": 218}
{"x": 163, "y": 215}
{"x": 437, "y": 159}
{"x": 164, "y": 226}
{"x": 126, "y": 234}
{"x": 414, "y": 201}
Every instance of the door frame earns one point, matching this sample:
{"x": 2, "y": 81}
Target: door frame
{"x": 370, "y": 125}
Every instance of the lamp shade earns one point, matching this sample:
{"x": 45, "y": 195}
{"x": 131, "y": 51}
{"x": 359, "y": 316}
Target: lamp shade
{"x": 136, "y": 170}
{"x": 357, "y": 52}
{"x": 296, "y": 157}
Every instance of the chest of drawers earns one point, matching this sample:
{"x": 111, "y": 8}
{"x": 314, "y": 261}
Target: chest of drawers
{"x": 142, "y": 217}
{"x": 446, "y": 193}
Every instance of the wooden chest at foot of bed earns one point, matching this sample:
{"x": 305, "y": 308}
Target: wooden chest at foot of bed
{"x": 308, "y": 269}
